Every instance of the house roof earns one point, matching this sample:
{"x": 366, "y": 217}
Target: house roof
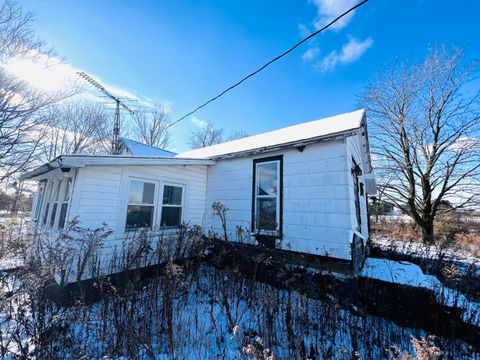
{"x": 292, "y": 135}
{"x": 324, "y": 129}
{"x": 136, "y": 148}
{"x": 67, "y": 162}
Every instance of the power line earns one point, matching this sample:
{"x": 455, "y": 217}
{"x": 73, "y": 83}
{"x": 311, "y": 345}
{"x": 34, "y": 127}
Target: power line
{"x": 268, "y": 63}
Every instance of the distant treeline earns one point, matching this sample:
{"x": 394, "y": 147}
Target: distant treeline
{"x": 14, "y": 203}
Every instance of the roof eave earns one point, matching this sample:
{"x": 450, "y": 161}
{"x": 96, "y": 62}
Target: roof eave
{"x": 78, "y": 161}
{"x": 131, "y": 160}
{"x": 42, "y": 170}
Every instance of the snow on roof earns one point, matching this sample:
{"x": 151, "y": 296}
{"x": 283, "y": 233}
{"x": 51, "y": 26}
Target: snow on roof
{"x": 292, "y": 134}
{"x": 136, "y": 148}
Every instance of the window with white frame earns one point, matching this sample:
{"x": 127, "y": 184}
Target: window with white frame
{"x": 141, "y": 205}
{"x": 67, "y": 187}
{"x": 172, "y": 205}
{"x": 267, "y": 196}
{"x": 52, "y": 203}
{"x": 39, "y": 204}
{"x": 48, "y": 194}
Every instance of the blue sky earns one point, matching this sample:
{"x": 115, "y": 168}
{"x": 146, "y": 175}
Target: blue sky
{"x": 184, "y": 52}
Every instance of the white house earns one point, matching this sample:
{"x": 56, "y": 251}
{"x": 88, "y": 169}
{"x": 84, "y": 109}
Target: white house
{"x": 302, "y": 188}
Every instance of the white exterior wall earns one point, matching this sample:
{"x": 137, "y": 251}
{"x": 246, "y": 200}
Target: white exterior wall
{"x": 101, "y": 193}
{"x": 318, "y": 201}
{"x": 317, "y": 211}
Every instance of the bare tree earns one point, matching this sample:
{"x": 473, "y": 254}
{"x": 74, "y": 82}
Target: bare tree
{"x": 75, "y": 127}
{"x": 205, "y": 136}
{"x": 21, "y": 123}
{"x": 20, "y": 105}
{"x": 426, "y": 135}
{"x": 151, "y": 127}
{"x": 17, "y": 37}
{"x": 237, "y": 134}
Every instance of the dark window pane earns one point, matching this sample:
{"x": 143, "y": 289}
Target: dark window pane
{"x": 267, "y": 214}
{"x": 172, "y": 195}
{"x": 171, "y": 216}
{"x": 139, "y": 216}
{"x": 54, "y": 212}
{"x": 267, "y": 179}
{"x": 45, "y": 215}
{"x": 63, "y": 215}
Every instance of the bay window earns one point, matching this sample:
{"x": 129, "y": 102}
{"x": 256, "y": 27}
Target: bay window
{"x": 52, "y": 202}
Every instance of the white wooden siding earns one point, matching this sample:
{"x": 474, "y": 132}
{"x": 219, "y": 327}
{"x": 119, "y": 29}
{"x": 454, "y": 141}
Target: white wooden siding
{"x": 101, "y": 192}
{"x": 317, "y": 216}
{"x": 318, "y": 201}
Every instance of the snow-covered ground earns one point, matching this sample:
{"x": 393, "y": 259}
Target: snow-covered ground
{"x": 209, "y": 313}
{"x": 405, "y": 273}
{"x": 13, "y": 228}
{"x": 459, "y": 255}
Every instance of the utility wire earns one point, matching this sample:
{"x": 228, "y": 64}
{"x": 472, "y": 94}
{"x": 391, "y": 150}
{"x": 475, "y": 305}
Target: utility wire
{"x": 267, "y": 64}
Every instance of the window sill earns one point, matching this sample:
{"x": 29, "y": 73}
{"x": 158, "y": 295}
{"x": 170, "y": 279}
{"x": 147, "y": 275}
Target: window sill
{"x": 155, "y": 230}
{"x": 266, "y": 233}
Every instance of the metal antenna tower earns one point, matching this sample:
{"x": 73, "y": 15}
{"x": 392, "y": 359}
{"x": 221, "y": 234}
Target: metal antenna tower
{"x": 116, "y": 147}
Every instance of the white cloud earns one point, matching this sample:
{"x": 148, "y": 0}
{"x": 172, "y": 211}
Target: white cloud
{"x": 310, "y": 54}
{"x": 327, "y": 10}
{"x": 199, "y": 122}
{"x": 464, "y": 143}
{"x": 167, "y": 105}
{"x": 304, "y": 30}
{"x": 51, "y": 74}
{"x": 42, "y": 72}
{"x": 351, "y": 52}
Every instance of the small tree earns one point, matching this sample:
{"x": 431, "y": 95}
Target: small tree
{"x": 426, "y": 135}
{"x": 237, "y": 134}
{"x": 205, "y": 136}
{"x": 74, "y": 127}
{"x": 151, "y": 127}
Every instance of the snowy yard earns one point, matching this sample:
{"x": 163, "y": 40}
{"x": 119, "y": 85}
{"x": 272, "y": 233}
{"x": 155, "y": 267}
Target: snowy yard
{"x": 206, "y": 313}
{"x": 200, "y": 311}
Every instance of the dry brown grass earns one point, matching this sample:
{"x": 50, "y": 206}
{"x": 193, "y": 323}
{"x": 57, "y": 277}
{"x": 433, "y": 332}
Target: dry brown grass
{"x": 451, "y": 231}
{"x": 396, "y": 229}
